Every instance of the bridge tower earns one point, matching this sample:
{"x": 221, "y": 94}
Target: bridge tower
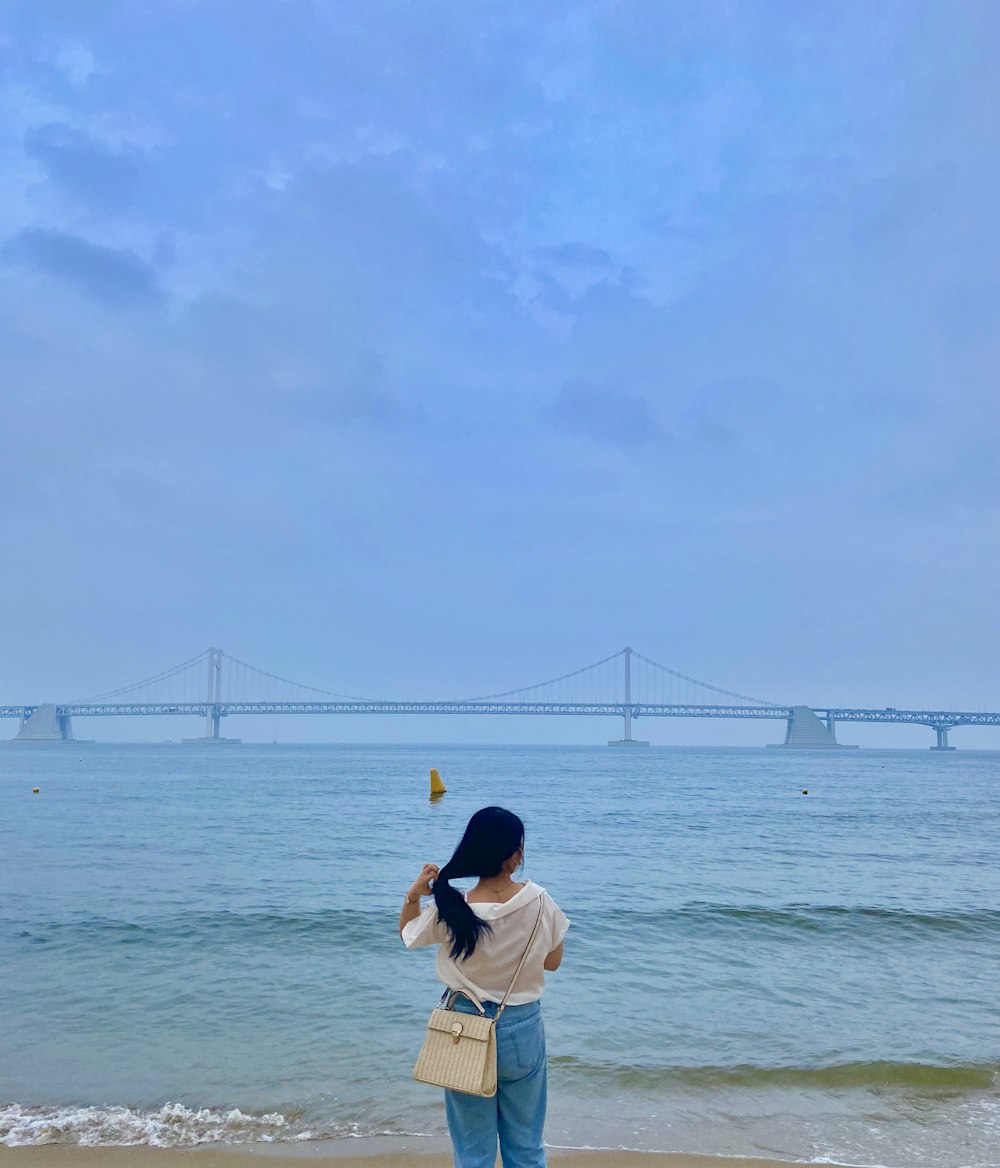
{"x": 214, "y": 693}
{"x": 627, "y": 709}
{"x": 213, "y": 721}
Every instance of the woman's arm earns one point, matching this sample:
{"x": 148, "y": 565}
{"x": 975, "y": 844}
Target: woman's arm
{"x": 420, "y": 887}
{"x": 554, "y": 959}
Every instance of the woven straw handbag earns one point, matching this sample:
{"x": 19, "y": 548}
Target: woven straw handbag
{"x": 460, "y": 1050}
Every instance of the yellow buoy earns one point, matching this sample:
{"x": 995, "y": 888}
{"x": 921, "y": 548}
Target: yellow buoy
{"x": 805, "y": 790}
{"x": 34, "y": 790}
{"x": 437, "y": 787}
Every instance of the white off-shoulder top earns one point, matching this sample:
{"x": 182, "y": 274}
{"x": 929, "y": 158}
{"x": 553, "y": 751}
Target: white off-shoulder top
{"x": 488, "y": 971}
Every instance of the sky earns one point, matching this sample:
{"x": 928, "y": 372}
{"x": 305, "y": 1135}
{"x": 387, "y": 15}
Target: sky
{"x": 414, "y": 350}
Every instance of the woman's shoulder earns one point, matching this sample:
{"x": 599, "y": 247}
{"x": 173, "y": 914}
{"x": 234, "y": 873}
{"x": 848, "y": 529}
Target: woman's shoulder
{"x": 556, "y": 921}
{"x": 549, "y": 900}
{"x": 538, "y": 892}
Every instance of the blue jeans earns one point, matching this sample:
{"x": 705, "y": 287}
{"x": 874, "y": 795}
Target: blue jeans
{"x": 516, "y": 1114}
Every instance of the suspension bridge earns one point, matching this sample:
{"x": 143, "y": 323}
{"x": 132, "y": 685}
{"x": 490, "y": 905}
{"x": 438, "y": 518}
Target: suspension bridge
{"x": 625, "y": 685}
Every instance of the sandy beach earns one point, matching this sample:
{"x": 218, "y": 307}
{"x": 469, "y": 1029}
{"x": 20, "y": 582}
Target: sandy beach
{"x": 67, "y": 1156}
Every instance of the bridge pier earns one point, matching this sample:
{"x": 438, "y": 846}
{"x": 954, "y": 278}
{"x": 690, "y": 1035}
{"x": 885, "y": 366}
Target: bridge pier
{"x": 44, "y": 724}
{"x": 213, "y": 726}
{"x": 942, "y": 738}
{"x": 628, "y": 740}
{"x": 804, "y": 731}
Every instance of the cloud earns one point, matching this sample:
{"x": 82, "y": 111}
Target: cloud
{"x": 76, "y": 62}
{"x": 339, "y": 406}
{"x": 564, "y": 272}
{"x": 139, "y": 491}
{"x": 83, "y": 167}
{"x": 575, "y": 255}
{"x": 608, "y": 417}
{"x": 114, "y": 276}
{"x": 725, "y": 411}
{"x": 725, "y": 310}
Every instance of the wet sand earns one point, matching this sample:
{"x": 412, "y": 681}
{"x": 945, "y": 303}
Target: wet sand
{"x": 341, "y": 1156}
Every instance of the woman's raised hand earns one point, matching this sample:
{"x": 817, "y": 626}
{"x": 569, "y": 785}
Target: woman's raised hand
{"x": 422, "y": 885}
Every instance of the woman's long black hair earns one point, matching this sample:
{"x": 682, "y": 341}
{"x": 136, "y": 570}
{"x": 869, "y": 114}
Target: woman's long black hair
{"x": 492, "y": 836}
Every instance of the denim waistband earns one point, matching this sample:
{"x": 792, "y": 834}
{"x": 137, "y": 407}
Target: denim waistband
{"x": 464, "y": 1005}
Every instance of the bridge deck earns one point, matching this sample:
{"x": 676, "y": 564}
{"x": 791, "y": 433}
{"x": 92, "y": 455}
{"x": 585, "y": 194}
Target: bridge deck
{"x": 580, "y": 709}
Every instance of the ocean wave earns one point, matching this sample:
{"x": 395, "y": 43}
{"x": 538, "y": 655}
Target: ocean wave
{"x": 172, "y": 1126}
{"x": 931, "y": 1077}
{"x": 368, "y": 928}
{"x": 803, "y": 921}
{"x": 345, "y": 926}
{"x": 815, "y": 917}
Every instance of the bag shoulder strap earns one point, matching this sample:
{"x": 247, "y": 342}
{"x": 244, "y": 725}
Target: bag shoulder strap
{"x": 524, "y": 955}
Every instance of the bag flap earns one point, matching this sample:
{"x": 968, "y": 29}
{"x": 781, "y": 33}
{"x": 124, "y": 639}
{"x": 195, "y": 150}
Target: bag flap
{"x": 465, "y": 1025}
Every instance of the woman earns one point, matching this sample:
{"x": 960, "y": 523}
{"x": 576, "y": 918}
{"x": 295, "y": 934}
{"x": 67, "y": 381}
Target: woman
{"x": 482, "y": 936}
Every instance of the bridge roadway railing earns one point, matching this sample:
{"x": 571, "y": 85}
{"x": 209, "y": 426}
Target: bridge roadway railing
{"x": 933, "y": 718}
{"x": 357, "y": 706}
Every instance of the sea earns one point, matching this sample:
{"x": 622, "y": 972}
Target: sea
{"x": 784, "y": 954}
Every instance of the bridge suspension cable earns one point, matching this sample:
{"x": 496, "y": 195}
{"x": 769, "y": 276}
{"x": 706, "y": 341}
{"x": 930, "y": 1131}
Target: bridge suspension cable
{"x": 604, "y": 680}
{"x": 243, "y": 665}
{"x": 555, "y": 681}
{"x": 155, "y": 679}
{"x": 703, "y": 684}
{"x": 623, "y": 677}
{"x": 189, "y": 681}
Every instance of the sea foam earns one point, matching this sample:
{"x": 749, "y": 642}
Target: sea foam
{"x": 172, "y": 1126}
